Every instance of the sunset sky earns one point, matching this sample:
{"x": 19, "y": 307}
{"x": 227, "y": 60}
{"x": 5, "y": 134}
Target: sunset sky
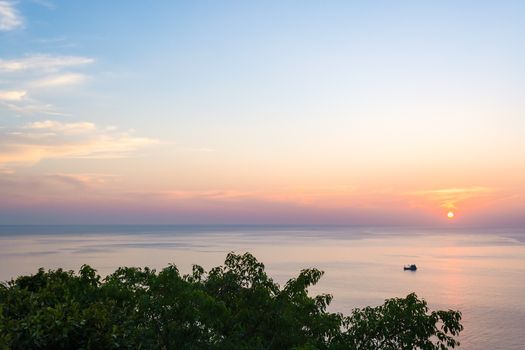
{"x": 270, "y": 112}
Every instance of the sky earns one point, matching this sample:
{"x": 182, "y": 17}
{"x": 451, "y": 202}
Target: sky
{"x": 271, "y": 112}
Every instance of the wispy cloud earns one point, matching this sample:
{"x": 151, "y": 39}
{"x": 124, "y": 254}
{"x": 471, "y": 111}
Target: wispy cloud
{"x": 59, "y": 80}
{"x": 36, "y": 141}
{"x": 66, "y": 128}
{"x": 31, "y": 107}
{"x": 47, "y": 4}
{"x": 34, "y": 188}
{"x": 84, "y": 179}
{"x": 12, "y": 95}
{"x": 53, "y": 43}
{"x": 27, "y": 74}
{"x": 6, "y": 171}
{"x": 43, "y": 63}
{"x": 449, "y": 198}
{"x": 315, "y": 197}
{"x": 198, "y": 149}
{"x": 10, "y": 19}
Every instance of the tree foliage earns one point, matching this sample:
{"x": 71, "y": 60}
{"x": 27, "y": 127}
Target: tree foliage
{"x": 233, "y": 306}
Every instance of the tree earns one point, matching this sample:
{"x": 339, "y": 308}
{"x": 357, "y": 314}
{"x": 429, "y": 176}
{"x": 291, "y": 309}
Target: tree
{"x": 401, "y": 323}
{"x": 233, "y": 306}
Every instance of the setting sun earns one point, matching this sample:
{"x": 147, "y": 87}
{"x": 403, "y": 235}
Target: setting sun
{"x": 450, "y": 214}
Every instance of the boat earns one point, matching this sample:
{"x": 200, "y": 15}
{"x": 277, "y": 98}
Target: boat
{"x": 410, "y": 267}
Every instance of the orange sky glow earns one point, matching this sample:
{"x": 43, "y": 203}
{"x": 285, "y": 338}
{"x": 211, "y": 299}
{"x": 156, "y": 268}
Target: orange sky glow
{"x": 216, "y": 116}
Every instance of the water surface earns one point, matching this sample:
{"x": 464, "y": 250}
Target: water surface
{"x": 480, "y": 272}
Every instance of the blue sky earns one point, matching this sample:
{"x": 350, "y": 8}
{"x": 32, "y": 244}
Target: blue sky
{"x": 320, "y": 107}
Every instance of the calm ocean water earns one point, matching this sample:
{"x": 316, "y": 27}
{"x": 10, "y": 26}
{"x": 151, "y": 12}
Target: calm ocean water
{"x": 480, "y": 272}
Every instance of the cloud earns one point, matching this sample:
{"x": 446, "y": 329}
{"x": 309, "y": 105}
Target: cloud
{"x": 59, "y": 80}
{"x": 66, "y": 128}
{"x": 10, "y": 19}
{"x": 49, "y": 139}
{"x": 47, "y": 4}
{"x": 199, "y": 149}
{"x": 26, "y": 74}
{"x": 329, "y": 197}
{"x": 6, "y": 171}
{"x": 33, "y": 108}
{"x": 449, "y": 198}
{"x": 45, "y": 63}
{"x": 61, "y": 43}
{"x": 61, "y": 187}
{"x": 12, "y": 95}
{"x": 83, "y": 180}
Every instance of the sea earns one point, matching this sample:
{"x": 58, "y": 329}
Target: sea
{"x": 479, "y": 271}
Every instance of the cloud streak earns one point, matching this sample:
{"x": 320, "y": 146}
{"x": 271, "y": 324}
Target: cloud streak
{"x": 49, "y": 139}
{"x": 65, "y": 128}
{"x": 59, "y": 80}
{"x": 449, "y": 198}
{"x": 27, "y": 74}
{"x": 31, "y": 107}
{"x": 12, "y": 95}
{"x": 10, "y": 19}
{"x": 43, "y": 63}
{"x": 53, "y": 187}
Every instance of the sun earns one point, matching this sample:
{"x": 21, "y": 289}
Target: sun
{"x": 450, "y": 215}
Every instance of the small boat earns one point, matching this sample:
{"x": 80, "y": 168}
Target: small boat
{"x": 410, "y": 267}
